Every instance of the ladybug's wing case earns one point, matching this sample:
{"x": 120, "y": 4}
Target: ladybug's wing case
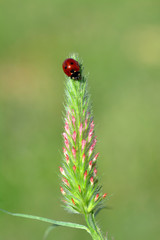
{"x": 71, "y": 68}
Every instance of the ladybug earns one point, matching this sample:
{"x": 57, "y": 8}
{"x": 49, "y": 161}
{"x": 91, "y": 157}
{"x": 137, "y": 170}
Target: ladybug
{"x": 71, "y": 68}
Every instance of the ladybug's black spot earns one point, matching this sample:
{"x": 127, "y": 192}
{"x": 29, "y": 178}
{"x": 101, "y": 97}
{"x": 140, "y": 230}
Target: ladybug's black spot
{"x": 65, "y": 67}
{"x": 71, "y": 63}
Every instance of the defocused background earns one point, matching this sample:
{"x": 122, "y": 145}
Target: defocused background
{"x": 119, "y": 42}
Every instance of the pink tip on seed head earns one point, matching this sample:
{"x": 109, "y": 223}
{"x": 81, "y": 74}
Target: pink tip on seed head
{"x": 96, "y": 197}
{"x": 83, "y": 157}
{"x": 92, "y": 125}
{"x": 91, "y": 180}
{"x": 65, "y": 181}
{"x": 91, "y": 150}
{"x": 62, "y": 171}
{"x": 64, "y": 151}
{"x": 74, "y": 152}
{"x": 85, "y": 175}
{"x": 104, "y": 195}
{"x": 73, "y": 201}
{"x": 67, "y": 159}
{"x": 74, "y": 168}
{"x": 74, "y": 136}
{"x": 90, "y": 165}
{"x": 95, "y": 172}
{"x": 86, "y": 123}
{"x": 73, "y": 120}
{"x": 95, "y": 157}
{"x": 65, "y": 136}
{"x": 62, "y": 191}
{"x": 83, "y": 144}
{"x": 90, "y": 135}
{"x": 79, "y": 188}
{"x": 66, "y": 143}
{"x": 94, "y": 141}
{"x": 66, "y": 127}
{"x": 80, "y": 129}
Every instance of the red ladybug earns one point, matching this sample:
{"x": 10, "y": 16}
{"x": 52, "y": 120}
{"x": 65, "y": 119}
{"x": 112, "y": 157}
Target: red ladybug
{"x": 71, "y": 68}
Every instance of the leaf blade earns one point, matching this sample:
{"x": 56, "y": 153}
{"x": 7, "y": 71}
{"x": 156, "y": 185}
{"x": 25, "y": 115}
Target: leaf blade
{"x": 47, "y": 220}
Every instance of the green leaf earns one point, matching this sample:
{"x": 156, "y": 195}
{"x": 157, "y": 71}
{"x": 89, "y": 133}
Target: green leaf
{"x": 42, "y": 219}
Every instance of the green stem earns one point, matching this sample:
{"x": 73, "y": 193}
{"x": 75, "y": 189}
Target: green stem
{"x": 94, "y": 229}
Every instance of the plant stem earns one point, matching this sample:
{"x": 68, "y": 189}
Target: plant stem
{"x": 94, "y": 229}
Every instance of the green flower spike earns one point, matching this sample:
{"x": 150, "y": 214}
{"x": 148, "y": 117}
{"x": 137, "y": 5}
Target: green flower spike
{"x": 80, "y": 189}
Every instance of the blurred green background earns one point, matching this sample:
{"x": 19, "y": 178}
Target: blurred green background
{"x": 119, "y": 42}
